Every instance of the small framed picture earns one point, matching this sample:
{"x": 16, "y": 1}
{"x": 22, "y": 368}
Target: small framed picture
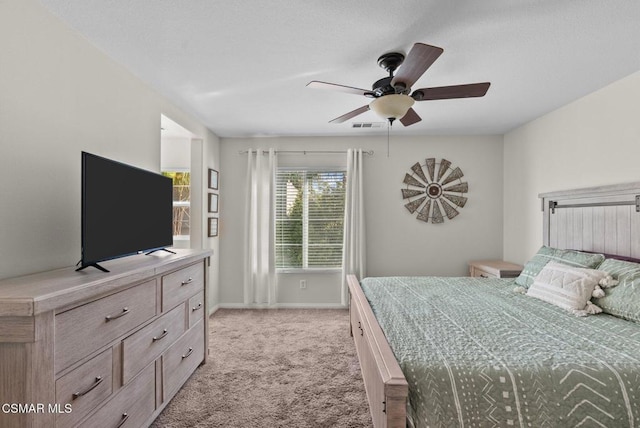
{"x": 213, "y": 179}
{"x": 213, "y": 203}
{"x": 213, "y": 227}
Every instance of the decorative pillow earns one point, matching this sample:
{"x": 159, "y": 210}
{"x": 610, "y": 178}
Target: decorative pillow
{"x": 546, "y": 254}
{"x": 620, "y": 270}
{"x": 623, "y": 300}
{"x": 568, "y": 287}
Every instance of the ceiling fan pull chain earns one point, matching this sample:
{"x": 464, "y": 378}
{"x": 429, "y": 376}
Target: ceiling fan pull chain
{"x": 388, "y": 132}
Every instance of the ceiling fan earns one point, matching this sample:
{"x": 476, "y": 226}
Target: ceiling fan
{"x": 391, "y": 94}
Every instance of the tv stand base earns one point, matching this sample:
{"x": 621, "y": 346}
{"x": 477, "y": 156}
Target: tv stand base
{"x": 95, "y": 265}
{"x": 159, "y": 249}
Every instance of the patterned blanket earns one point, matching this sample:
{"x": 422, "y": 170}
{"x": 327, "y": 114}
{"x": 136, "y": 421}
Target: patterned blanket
{"x": 477, "y": 354}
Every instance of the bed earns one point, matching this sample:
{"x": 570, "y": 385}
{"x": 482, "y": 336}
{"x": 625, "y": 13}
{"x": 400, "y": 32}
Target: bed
{"x": 473, "y": 352}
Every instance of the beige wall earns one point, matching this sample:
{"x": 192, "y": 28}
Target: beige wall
{"x": 397, "y": 243}
{"x": 59, "y": 95}
{"x": 592, "y": 141}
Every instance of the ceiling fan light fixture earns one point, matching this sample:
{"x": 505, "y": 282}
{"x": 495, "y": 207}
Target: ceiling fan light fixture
{"x": 393, "y": 106}
{"x": 391, "y": 94}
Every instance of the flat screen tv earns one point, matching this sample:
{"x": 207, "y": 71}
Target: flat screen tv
{"x": 125, "y": 210}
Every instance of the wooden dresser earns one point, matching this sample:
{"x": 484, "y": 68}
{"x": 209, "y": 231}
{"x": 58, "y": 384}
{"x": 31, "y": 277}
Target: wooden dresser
{"x": 95, "y": 349}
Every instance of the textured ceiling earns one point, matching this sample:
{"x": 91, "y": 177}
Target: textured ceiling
{"x": 241, "y": 67}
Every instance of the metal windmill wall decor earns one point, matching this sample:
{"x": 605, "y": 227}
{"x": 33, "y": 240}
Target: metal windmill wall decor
{"x": 439, "y": 189}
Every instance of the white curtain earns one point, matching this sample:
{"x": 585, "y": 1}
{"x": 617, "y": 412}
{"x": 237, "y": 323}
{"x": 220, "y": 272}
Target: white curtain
{"x": 259, "y": 248}
{"x": 353, "y": 256}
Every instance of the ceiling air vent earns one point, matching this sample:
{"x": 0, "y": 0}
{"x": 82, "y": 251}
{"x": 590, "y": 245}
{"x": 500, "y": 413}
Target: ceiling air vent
{"x": 367, "y": 124}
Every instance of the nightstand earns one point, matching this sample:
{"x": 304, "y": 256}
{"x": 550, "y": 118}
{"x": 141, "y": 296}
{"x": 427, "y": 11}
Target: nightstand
{"x": 494, "y": 269}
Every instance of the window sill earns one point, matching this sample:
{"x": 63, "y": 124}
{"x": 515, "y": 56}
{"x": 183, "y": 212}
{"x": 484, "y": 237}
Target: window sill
{"x": 308, "y": 270}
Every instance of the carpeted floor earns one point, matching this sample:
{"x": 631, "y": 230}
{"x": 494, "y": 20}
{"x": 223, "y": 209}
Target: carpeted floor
{"x": 274, "y": 368}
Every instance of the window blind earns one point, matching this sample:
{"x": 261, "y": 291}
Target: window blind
{"x": 309, "y": 218}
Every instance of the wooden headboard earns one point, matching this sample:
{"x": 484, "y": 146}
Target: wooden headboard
{"x": 604, "y": 219}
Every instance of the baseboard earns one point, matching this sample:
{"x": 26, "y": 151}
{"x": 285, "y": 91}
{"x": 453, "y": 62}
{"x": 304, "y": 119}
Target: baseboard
{"x": 213, "y": 309}
{"x": 311, "y": 306}
{"x": 281, "y": 306}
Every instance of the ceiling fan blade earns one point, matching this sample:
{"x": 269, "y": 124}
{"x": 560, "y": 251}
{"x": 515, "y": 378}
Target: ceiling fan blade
{"x": 419, "y": 59}
{"x": 449, "y": 92}
{"x": 410, "y": 118}
{"x": 336, "y": 87}
{"x": 351, "y": 114}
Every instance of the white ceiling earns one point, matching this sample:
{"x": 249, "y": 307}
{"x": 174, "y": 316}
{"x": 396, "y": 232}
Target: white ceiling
{"x": 241, "y": 67}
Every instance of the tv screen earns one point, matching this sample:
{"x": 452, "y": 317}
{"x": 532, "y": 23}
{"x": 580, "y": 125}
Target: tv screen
{"x": 125, "y": 210}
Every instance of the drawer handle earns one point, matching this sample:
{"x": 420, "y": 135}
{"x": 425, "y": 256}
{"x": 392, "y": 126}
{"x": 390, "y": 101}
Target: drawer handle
{"x": 188, "y": 281}
{"x": 124, "y": 312}
{"x": 483, "y": 276}
{"x": 195, "y": 308}
{"x": 88, "y": 390}
{"x": 188, "y": 353}
{"x": 164, "y": 333}
{"x": 124, "y": 418}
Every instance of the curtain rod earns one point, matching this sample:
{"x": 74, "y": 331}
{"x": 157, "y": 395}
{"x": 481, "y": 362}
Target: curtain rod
{"x": 306, "y": 152}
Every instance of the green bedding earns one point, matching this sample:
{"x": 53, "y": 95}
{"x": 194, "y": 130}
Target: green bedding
{"x": 477, "y": 354}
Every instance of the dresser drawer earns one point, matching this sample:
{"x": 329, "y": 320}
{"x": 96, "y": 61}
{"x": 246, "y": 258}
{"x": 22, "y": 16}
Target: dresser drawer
{"x": 181, "y": 359}
{"x": 131, "y": 406}
{"x": 84, "y": 329}
{"x": 147, "y": 344}
{"x": 479, "y": 273}
{"x": 84, "y": 388}
{"x": 196, "y": 308}
{"x": 180, "y": 285}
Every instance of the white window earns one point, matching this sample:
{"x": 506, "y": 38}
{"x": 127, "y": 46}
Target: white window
{"x": 309, "y": 218}
{"x": 181, "y": 203}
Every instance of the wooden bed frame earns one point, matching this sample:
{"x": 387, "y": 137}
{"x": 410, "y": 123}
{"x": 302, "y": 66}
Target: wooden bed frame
{"x": 384, "y": 381}
{"x": 604, "y": 219}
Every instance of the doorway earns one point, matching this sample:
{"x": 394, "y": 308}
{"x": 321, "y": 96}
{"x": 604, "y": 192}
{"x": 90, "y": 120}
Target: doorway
{"x": 175, "y": 162}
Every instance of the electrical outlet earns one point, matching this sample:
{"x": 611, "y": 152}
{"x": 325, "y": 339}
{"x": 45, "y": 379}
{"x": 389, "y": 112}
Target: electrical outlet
{"x": 303, "y": 283}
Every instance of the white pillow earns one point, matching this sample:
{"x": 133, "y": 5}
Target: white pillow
{"x": 568, "y": 287}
